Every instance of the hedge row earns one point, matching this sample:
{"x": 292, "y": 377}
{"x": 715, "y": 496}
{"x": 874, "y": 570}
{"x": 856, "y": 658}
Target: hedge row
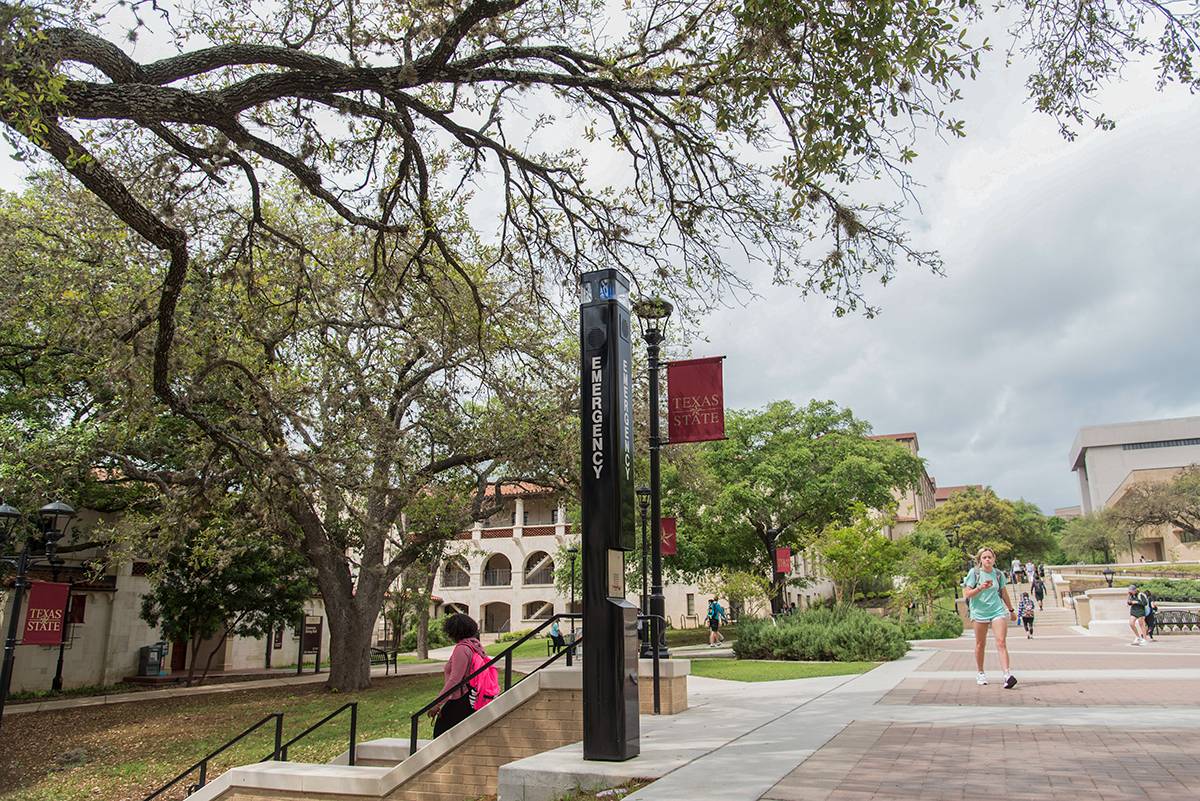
{"x": 946, "y": 625}
{"x": 1171, "y": 590}
{"x": 840, "y": 634}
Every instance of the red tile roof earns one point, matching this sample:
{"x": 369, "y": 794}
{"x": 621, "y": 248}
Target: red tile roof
{"x": 905, "y": 435}
{"x": 945, "y": 493}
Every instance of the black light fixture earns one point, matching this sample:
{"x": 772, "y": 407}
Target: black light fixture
{"x": 1108, "y": 575}
{"x": 653, "y": 314}
{"x": 8, "y": 521}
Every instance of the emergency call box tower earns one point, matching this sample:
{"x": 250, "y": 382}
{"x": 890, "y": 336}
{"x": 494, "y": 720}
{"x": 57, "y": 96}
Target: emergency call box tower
{"x": 610, "y": 647}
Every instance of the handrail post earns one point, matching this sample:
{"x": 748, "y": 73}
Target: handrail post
{"x": 278, "y": 735}
{"x": 412, "y": 737}
{"x": 655, "y": 623}
{"x": 508, "y": 669}
{"x": 353, "y": 729}
{"x": 203, "y": 772}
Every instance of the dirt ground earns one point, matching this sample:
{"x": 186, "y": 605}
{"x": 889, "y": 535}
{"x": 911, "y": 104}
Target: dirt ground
{"x": 121, "y": 752}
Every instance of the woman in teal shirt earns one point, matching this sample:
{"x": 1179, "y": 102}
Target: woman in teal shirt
{"x": 988, "y": 600}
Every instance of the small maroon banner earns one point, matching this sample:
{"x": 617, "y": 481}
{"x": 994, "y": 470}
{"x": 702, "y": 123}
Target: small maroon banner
{"x": 783, "y": 560}
{"x": 46, "y": 614}
{"x": 695, "y": 400}
{"x": 669, "y": 543}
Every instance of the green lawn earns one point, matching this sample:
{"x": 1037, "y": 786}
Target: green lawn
{"x": 121, "y": 752}
{"x": 534, "y": 648}
{"x": 765, "y": 670}
{"x": 698, "y": 636}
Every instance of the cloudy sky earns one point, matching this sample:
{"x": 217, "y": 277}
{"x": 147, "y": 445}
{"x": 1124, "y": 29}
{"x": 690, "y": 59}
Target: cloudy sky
{"x": 1069, "y": 297}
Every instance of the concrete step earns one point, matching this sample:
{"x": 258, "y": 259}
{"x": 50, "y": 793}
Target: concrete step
{"x": 386, "y": 752}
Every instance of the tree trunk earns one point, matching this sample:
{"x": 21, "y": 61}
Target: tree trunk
{"x": 423, "y": 614}
{"x": 349, "y": 650}
{"x": 192, "y": 661}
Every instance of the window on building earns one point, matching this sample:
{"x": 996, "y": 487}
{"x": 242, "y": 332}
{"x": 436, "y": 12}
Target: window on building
{"x": 691, "y": 603}
{"x": 1162, "y": 443}
{"x": 78, "y": 609}
{"x": 554, "y": 515}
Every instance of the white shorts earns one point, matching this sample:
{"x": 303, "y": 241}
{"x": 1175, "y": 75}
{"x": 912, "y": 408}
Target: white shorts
{"x": 1004, "y": 616}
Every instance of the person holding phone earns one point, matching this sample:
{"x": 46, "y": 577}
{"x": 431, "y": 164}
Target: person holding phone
{"x": 987, "y": 598}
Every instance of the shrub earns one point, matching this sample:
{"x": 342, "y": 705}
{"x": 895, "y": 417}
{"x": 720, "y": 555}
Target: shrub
{"x": 509, "y": 636}
{"x": 437, "y": 637}
{"x": 1169, "y": 590}
{"x": 946, "y": 625}
{"x": 840, "y": 634}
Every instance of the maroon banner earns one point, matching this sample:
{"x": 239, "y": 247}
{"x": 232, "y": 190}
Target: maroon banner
{"x": 46, "y": 614}
{"x": 669, "y": 543}
{"x": 695, "y": 400}
{"x": 783, "y": 560}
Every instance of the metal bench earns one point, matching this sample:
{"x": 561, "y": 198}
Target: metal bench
{"x": 1178, "y": 621}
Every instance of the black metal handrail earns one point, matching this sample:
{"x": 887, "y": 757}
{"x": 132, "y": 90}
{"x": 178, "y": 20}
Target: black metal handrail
{"x": 203, "y": 763}
{"x": 281, "y": 751}
{"x": 506, "y": 655}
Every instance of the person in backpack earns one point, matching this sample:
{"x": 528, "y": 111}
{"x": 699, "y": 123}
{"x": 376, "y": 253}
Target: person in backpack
{"x": 467, "y": 656}
{"x": 1151, "y": 613}
{"x": 1039, "y": 591}
{"x": 715, "y": 616}
{"x": 1137, "y": 602}
{"x": 987, "y": 598}
{"x": 1025, "y": 613}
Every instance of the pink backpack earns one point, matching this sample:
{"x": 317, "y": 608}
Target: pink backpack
{"x": 484, "y": 687}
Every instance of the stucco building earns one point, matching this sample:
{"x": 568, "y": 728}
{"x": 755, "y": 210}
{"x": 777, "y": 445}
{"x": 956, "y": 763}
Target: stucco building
{"x": 912, "y": 503}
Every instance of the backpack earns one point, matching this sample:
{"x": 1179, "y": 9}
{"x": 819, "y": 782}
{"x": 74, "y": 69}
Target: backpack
{"x": 484, "y": 687}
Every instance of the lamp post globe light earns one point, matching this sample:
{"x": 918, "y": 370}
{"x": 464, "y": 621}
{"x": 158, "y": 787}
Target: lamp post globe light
{"x": 652, "y": 314}
{"x": 1108, "y": 575}
{"x": 54, "y": 518}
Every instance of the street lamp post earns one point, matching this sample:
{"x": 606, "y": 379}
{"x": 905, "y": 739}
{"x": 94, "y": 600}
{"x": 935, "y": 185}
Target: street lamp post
{"x": 643, "y": 494}
{"x": 574, "y": 552}
{"x": 54, "y": 520}
{"x": 1108, "y": 574}
{"x": 653, "y": 314}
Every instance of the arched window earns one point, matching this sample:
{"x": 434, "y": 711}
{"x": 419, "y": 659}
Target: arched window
{"x": 498, "y": 571}
{"x": 496, "y": 617}
{"x": 455, "y": 574}
{"x": 539, "y": 569}
{"x": 538, "y": 610}
{"x": 454, "y": 609}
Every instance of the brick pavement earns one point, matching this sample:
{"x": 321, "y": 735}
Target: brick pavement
{"x": 928, "y": 751}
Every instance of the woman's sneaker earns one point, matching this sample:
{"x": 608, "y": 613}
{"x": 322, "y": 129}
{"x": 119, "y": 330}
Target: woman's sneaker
{"x": 1010, "y": 681}
{"x": 981, "y": 679}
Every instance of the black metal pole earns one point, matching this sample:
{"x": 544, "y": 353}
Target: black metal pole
{"x": 10, "y": 641}
{"x": 57, "y": 684}
{"x": 654, "y": 338}
{"x": 644, "y": 601}
{"x": 574, "y": 555}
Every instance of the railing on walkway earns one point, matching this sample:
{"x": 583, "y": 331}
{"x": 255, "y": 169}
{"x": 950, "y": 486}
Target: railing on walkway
{"x": 202, "y": 765}
{"x": 1177, "y": 620}
{"x": 507, "y": 656}
{"x": 281, "y": 752}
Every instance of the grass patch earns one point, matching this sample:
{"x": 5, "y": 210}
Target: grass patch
{"x": 763, "y": 670}
{"x": 534, "y": 648}
{"x": 122, "y": 752}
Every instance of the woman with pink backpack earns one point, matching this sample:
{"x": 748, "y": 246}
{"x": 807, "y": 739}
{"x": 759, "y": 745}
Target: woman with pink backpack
{"x": 467, "y": 658}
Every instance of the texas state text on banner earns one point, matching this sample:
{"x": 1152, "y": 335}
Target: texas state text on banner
{"x": 47, "y": 613}
{"x": 695, "y": 400}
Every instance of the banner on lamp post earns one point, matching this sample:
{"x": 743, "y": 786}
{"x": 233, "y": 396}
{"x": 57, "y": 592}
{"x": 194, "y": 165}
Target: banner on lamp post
{"x": 783, "y": 560}
{"x": 695, "y": 400}
{"x": 45, "y": 619}
{"x": 668, "y": 536}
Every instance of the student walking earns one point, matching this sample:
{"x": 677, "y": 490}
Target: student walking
{"x": 1039, "y": 591}
{"x": 991, "y": 609}
{"x": 716, "y": 616}
{"x": 1137, "y": 603}
{"x": 1151, "y": 613}
{"x": 1025, "y": 613}
{"x": 467, "y": 657}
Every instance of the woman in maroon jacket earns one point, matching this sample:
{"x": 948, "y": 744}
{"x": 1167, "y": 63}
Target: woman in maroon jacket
{"x": 457, "y": 706}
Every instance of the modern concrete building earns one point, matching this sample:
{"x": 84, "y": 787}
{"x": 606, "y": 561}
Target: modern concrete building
{"x": 1103, "y": 457}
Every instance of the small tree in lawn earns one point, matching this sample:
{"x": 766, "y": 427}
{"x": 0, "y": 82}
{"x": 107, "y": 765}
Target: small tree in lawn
{"x": 855, "y": 553}
{"x": 1091, "y": 537}
{"x": 749, "y": 592}
{"x": 214, "y": 585}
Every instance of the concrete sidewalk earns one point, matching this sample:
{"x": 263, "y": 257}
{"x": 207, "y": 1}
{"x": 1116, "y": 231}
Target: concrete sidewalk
{"x": 1090, "y": 718}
